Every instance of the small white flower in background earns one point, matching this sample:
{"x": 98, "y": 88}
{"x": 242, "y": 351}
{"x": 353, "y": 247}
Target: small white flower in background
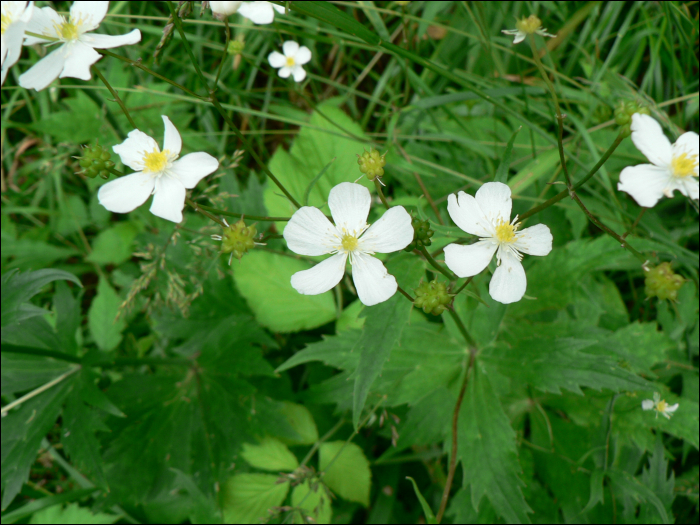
{"x": 526, "y": 26}
{"x": 76, "y": 44}
{"x": 256, "y": 12}
{"x": 487, "y": 215}
{"x": 660, "y": 406}
{"x": 309, "y": 232}
{"x": 160, "y": 173}
{"x": 15, "y": 16}
{"x": 673, "y": 167}
{"x": 291, "y": 61}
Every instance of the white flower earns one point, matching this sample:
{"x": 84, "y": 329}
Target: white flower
{"x": 309, "y": 232}
{"x": 292, "y": 60}
{"x": 224, "y": 8}
{"x": 256, "y": 12}
{"x": 488, "y": 216}
{"x": 660, "y": 406}
{"x": 526, "y": 26}
{"x": 76, "y": 51}
{"x": 160, "y": 173}
{"x": 672, "y": 167}
{"x": 15, "y": 16}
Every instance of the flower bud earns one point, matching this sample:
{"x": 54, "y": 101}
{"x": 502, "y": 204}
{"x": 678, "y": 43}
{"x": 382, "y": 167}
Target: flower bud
{"x": 95, "y": 160}
{"x": 235, "y": 47}
{"x": 238, "y": 238}
{"x": 623, "y": 115}
{"x": 432, "y": 297}
{"x": 528, "y": 25}
{"x": 421, "y": 234}
{"x": 662, "y": 282}
{"x": 372, "y": 164}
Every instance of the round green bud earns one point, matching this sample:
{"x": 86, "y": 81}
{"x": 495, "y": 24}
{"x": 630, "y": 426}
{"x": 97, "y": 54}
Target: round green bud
{"x": 235, "y": 47}
{"x": 661, "y": 282}
{"x": 421, "y": 234}
{"x": 432, "y": 297}
{"x": 624, "y": 112}
{"x": 95, "y": 160}
{"x": 372, "y": 164}
{"x": 238, "y": 239}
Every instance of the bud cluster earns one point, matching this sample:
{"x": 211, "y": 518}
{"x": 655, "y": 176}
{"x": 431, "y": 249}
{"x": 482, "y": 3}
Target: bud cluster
{"x": 372, "y": 164}
{"x": 432, "y": 297}
{"x": 235, "y": 47}
{"x": 623, "y": 115}
{"x": 662, "y": 282}
{"x": 421, "y": 234}
{"x": 238, "y": 239}
{"x": 95, "y": 161}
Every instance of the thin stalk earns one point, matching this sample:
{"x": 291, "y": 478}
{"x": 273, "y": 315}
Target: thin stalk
{"x": 323, "y": 439}
{"x": 223, "y": 58}
{"x": 378, "y": 185}
{"x": 196, "y": 207}
{"x": 38, "y": 390}
{"x": 435, "y": 264}
{"x": 636, "y": 221}
{"x": 405, "y": 294}
{"x": 464, "y": 285}
{"x": 116, "y": 97}
{"x": 462, "y": 328}
{"x": 226, "y": 213}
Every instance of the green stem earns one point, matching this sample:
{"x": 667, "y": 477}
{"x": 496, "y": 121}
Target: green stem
{"x": 188, "y": 49}
{"x": 242, "y": 215}
{"x": 464, "y": 285}
{"x": 116, "y": 97}
{"x": 462, "y": 329}
{"x": 636, "y": 221}
{"x": 196, "y": 207}
{"x": 378, "y": 185}
{"x": 434, "y": 264}
{"x": 405, "y": 294}
{"x": 223, "y": 58}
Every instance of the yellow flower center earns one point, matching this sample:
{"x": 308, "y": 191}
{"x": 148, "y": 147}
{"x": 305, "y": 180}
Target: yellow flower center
{"x": 6, "y": 21}
{"x": 155, "y": 160}
{"x": 68, "y": 31}
{"x": 505, "y": 232}
{"x": 290, "y": 62}
{"x": 661, "y": 406}
{"x": 684, "y": 165}
{"x": 528, "y": 25}
{"x": 349, "y": 242}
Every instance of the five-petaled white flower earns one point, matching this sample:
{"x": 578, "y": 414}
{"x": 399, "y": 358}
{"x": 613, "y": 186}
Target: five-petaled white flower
{"x": 488, "y": 216}
{"x": 672, "y": 167}
{"x": 15, "y": 16}
{"x": 76, "y": 51}
{"x": 526, "y": 26}
{"x": 309, "y": 232}
{"x": 256, "y": 12}
{"x": 160, "y": 173}
{"x": 291, "y": 61}
{"x": 660, "y": 406}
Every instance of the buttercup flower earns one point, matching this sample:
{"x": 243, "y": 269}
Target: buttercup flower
{"x": 160, "y": 173}
{"x": 309, "y": 232}
{"x": 15, "y": 16}
{"x": 256, "y": 12}
{"x": 76, "y": 51}
{"x": 488, "y": 216}
{"x": 292, "y": 60}
{"x": 224, "y": 8}
{"x": 526, "y": 26}
{"x": 672, "y": 167}
{"x": 660, "y": 406}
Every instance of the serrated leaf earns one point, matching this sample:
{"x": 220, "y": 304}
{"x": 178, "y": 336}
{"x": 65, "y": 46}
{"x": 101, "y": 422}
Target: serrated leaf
{"x": 102, "y": 315}
{"x": 246, "y": 498}
{"x": 334, "y": 350}
{"x": 72, "y": 514}
{"x": 302, "y": 422}
{"x": 313, "y": 501}
{"x": 67, "y": 318}
{"x": 656, "y": 480}
{"x": 269, "y": 454}
{"x": 346, "y": 470}
{"x": 429, "y": 516}
{"x": 20, "y": 372}
{"x": 627, "y": 485}
{"x": 43, "y": 503}
{"x": 113, "y": 245}
{"x": 597, "y": 492}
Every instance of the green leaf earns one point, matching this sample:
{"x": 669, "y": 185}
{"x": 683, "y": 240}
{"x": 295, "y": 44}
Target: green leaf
{"x": 488, "y": 451}
{"x": 105, "y": 329}
{"x": 502, "y": 171}
{"x": 314, "y": 502}
{"x": 302, "y": 422}
{"x": 270, "y": 454}
{"x": 68, "y": 319}
{"x": 597, "y": 490}
{"x": 656, "y": 480}
{"x": 348, "y": 474}
{"x": 246, "y": 498}
{"x": 305, "y": 201}
{"x": 537, "y": 168}
{"x": 429, "y": 516}
{"x": 43, "y": 503}
{"x": 627, "y": 485}
{"x": 334, "y": 16}
{"x": 28, "y": 254}
{"x": 114, "y": 245}
{"x": 72, "y": 514}
{"x": 264, "y": 279}
{"x": 21, "y": 372}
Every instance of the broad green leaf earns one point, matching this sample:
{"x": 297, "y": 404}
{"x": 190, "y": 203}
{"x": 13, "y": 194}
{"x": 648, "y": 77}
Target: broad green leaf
{"x": 264, "y": 279}
{"x": 28, "y": 254}
{"x": 502, "y": 171}
{"x": 655, "y": 478}
{"x": 270, "y": 454}
{"x": 640, "y": 345}
{"x": 345, "y": 470}
{"x": 597, "y": 490}
{"x": 334, "y": 16}
{"x": 427, "y": 421}
{"x": 106, "y": 330}
{"x": 43, "y": 503}
{"x": 114, "y": 245}
{"x": 21, "y": 372}
{"x": 313, "y": 500}
{"x": 68, "y": 318}
{"x": 302, "y": 422}
{"x": 246, "y": 498}
{"x": 72, "y": 514}
{"x": 429, "y": 516}
{"x": 73, "y": 215}
{"x": 629, "y": 486}
{"x": 334, "y": 350}
{"x": 488, "y": 451}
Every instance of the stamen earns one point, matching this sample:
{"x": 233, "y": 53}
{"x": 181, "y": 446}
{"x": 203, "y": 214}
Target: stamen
{"x": 684, "y": 165}
{"x": 290, "y": 62}
{"x": 155, "y": 161}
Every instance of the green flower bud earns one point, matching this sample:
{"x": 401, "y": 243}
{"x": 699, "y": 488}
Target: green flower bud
{"x": 432, "y": 297}
{"x": 661, "y": 282}
{"x": 421, "y": 234}
{"x": 235, "y": 47}
{"x": 623, "y": 115}
{"x": 94, "y": 161}
{"x": 237, "y": 239}
{"x": 372, "y": 164}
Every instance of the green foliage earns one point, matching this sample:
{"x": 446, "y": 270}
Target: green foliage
{"x": 104, "y": 326}
{"x": 345, "y": 470}
{"x": 246, "y": 498}
{"x": 270, "y": 454}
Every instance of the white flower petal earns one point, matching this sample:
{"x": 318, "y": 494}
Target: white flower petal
{"x": 688, "y": 144}
{"x": 79, "y": 60}
{"x": 290, "y": 48}
{"x": 284, "y": 72}
{"x": 309, "y": 232}
{"x": 168, "y": 199}
{"x": 670, "y": 409}
{"x": 391, "y": 233}
{"x": 172, "y": 140}
{"x": 322, "y": 277}
{"x": 466, "y": 261}
{"x": 494, "y": 199}
{"x": 466, "y": 213}
{"x": 132, "y": 150}
{"x": 277, "y": 59}
{"x": 303, "y": 55}
{"x": 519, "y": 37}
{"x": 192, "y": 168}
{"x": 349, "y": 204}
{"x": 45, "y": 71}
{"x": 257, "y": 12}
{"x": 3, "y": 74}
{"x": 44, "y": 21}
{"x": 298, "y": 73}
{"x": 508, "y": 283}
{"x": 688, "y": 186}
{"x": 647, "y": 404}
{"x": 127, "y": 193}
{"x": 373, "y": 283}
{"x": 646, "y": 183}
{"x": 535, "y": 240}
{"x": 649, "y": 138}
{"x": 279, "y": 8}
{"x": 12, "y": 46}
{"x": 99, "y": 41}
{"x": 90, "y": 13}
{"x": 224, "y": 8}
